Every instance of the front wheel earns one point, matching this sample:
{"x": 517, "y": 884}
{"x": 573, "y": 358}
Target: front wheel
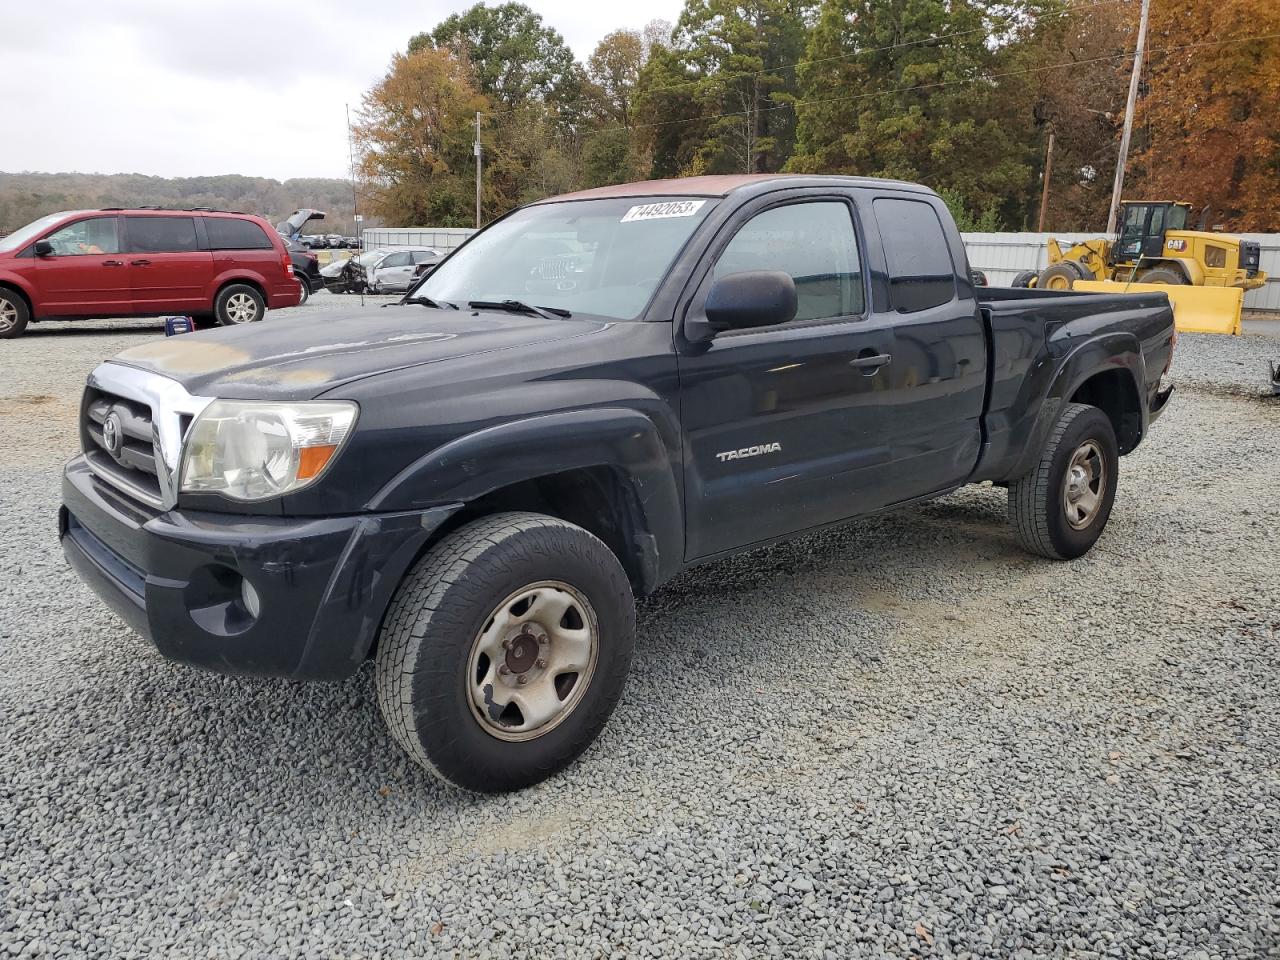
{"x": 1059, "y": 509}
{"x": 14, "y": 315}
{"x": 238, "y": 303}
{"x": 505, "y": 650}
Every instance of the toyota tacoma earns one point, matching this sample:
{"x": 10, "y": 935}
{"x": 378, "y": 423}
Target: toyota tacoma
{"x": 593, "y": 394}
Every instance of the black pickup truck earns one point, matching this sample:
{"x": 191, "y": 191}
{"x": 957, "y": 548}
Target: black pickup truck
{"x": 594, "y": 393}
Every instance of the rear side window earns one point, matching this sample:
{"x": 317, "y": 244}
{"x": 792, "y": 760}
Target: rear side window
{"x": 921, "y": 274}
{"x": 226, "y": 233}
{"x": 161, "y": 234}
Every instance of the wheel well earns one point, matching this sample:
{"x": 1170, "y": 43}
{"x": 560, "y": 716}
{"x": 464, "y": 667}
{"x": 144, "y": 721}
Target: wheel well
{"x": 599, "y": 499}
{"x": 243, "y": 281}
{"x": 1113, "y": 392}
{"x": 25, "y": 299}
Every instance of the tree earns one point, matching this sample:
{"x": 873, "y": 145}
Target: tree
{"x": 1075, "y": 61}
{"x": 1207, "y": 130}
{"x": 614, "y": 70}
{"x": 912, "y": 89}
{"x": 515, "y": 57}
{"x": 414, "y": 135}
{"x": 736, "y": 57}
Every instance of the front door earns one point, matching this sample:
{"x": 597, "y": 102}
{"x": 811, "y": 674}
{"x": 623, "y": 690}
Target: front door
{"x": 783, "y": 424}
{"x": 167, "y": 269}
{"x": 85, "y": 275}
{"x": 394, "y": 272}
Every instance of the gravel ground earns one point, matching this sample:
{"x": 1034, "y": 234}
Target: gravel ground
{"x": 904, "y": 739}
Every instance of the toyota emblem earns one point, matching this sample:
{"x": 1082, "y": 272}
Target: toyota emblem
{"x": 112, "y": 433}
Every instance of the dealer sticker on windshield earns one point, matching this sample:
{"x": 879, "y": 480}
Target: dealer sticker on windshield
{"x": 663, "y": 211}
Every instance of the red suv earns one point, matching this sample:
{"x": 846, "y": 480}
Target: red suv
{"x": 230, "y": 267}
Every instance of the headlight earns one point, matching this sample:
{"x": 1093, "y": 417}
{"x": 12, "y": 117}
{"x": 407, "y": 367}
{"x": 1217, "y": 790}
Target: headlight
{"x": 251, "y": 450}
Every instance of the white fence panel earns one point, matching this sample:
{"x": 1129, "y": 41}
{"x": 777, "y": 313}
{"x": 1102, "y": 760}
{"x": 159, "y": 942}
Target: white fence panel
{"x": 1002, "y": 256}
{"x": 441, "y": 238}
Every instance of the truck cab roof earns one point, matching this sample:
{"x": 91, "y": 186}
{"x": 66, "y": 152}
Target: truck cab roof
{"x": 723, "y": 185}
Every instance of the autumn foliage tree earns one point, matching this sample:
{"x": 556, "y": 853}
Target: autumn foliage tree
{"x": 1209, "y": 122}
{"x": 415, "y": 138}
{"x": 958, "y": 94}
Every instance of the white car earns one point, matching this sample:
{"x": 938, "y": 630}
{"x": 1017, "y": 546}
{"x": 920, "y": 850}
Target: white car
{"x": 394, "y": 272}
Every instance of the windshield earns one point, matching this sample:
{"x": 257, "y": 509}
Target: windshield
{"x": 601, "y": 257}
{"x": 24, "y": 235}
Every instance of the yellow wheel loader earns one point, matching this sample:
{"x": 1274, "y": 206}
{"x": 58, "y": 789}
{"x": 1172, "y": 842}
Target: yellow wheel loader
{"x": 1205, "y": 274}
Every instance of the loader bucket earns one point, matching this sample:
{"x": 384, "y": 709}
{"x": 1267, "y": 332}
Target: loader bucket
{"x": 1195, "y": 309}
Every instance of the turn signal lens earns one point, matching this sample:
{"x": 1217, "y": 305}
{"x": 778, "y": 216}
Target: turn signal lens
{"x": 311, "y": 460}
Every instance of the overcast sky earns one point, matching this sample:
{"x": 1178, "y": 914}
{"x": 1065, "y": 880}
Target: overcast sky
{"x": 182, "y": 88}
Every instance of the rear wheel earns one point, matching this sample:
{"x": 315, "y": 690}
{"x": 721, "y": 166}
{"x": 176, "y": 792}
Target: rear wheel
{"x": 14, "y": 315}
{"x": 306, "y": 288}
{"x": 1164, "y": 275}
{"x": 238, "y": 303}
{"x": 505, "y": 650}
{"x": 1060, "y": 508}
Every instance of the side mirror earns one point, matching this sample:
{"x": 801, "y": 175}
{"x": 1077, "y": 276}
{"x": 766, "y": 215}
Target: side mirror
{"x": 44, "y": 248}
{"x": 756, "y": 298}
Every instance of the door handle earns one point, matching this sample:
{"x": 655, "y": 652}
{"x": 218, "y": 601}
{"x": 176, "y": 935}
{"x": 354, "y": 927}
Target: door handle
{"x": 870, "y": 363}
{"x": 113, "y": 263}
{"x": 141, "y": 263}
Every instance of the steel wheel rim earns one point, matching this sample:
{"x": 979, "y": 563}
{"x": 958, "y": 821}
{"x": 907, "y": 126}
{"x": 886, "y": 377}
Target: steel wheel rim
{"x": 8, "y": 315}
{"x": 536, "y": 653}
{"x": 241, "y": 308}
{"x": 1058, "y": 282}
{"x": 1085, "y": 485}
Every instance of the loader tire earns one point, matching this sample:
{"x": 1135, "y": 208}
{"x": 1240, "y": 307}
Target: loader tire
{"x": 1164, "y": 275}
{"x": 1023, "y": 278}
{"x": 1059, "y": 276}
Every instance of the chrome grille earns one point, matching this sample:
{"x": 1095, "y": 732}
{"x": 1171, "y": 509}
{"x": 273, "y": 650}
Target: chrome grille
{"x": 132, "y": 424}
{"x": 128, "y": 460}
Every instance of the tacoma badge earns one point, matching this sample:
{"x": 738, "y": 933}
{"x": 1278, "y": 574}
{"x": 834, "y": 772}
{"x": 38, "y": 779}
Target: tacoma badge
{"x": 756, "y": 451}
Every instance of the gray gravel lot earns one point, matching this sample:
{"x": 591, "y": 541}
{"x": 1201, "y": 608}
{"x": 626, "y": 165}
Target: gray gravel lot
{"x": 904, "y": 738}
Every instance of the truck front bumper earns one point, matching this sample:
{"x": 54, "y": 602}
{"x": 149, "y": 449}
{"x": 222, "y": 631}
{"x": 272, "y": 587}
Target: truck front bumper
{"x": 295, "y": 597}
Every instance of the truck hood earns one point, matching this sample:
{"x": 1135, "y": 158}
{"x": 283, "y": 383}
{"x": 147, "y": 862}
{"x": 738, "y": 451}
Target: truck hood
{"x": 297, "y": 359}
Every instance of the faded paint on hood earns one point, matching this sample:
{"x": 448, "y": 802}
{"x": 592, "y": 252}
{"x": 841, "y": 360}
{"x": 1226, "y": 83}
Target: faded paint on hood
{"x": 304, "y": 357}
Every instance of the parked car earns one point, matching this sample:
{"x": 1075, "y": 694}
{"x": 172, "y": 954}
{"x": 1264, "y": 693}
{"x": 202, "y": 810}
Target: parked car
{"x": 291, "y": 226}
{"x": 394, "y": 272}
{"x": 350, "y": 274}
{"x": 228, "y": 267}
{"x": 335, "y": 241}
{"x": 306, "y": 268}
{"x": 351, "y": 243}
{"x": 472, "y": 485}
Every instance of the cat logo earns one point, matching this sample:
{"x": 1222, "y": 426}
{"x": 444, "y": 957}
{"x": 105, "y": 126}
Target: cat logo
{"x": 756, "y": 451}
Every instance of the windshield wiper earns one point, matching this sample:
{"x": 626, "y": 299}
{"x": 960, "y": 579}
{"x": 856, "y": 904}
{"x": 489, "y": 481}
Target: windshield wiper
{"x": 519, "y": 306}
{"x": 428, "y": 302}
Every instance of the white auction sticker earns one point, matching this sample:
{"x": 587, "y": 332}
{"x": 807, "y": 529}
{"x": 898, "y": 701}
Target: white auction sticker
{"x": 662, "y": 211}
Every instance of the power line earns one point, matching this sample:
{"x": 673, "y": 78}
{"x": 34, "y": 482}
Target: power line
{"x": 740, "y": 75}
{"x": 947, "y": 83}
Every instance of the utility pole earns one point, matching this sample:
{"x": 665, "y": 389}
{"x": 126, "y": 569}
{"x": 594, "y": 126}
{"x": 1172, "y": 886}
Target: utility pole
{"x": 479, "y": 161}
{"x": 1044, "y": 189}
{"x": 351, "y": 157}
{"x": 1134, "y": 79}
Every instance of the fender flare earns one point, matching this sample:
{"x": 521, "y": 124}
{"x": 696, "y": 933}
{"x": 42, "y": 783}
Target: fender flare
{"x": 622, "y": 439}
{"x": 1115, "y": 351}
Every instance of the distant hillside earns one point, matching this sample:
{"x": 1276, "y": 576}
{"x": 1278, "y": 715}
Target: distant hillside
{"x": 26, "y": 196}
